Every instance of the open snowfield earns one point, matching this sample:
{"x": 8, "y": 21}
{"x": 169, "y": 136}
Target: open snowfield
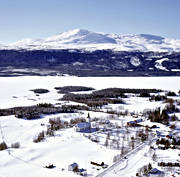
{"x": 68, "y": 146}
{"x": 15, "y": 91}
{"x": 65, "y": 148}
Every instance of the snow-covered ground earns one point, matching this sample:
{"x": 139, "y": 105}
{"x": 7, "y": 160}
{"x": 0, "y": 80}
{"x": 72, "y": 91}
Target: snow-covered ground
{"x": 65, "y": 148}
{"x": 68, "y": 146}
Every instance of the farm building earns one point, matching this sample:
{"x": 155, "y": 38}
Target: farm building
{"x": 155, "y": 171}
{"x": 82, "y": 172}
{"x": 134, "y": 123}
{"x": 73, "y": 167}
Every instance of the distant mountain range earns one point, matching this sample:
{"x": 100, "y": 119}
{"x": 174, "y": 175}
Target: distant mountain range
{"x": 86, "y": 53}
{"x": 88, "y": 40}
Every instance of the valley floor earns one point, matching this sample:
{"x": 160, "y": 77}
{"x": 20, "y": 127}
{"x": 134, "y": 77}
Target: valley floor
{"x": 111, "y": 143}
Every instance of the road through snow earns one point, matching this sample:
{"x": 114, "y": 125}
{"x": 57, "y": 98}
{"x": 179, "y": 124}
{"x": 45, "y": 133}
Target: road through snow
{"x": 128, "y": 167}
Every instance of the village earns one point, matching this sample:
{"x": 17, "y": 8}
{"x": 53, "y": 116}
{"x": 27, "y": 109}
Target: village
{"x": 125, "y": 132}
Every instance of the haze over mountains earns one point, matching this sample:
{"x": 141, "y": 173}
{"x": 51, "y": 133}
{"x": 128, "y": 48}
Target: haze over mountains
{"x": 89, "y": 40}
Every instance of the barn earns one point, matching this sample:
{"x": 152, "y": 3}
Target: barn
{"x": 73, "y": 167}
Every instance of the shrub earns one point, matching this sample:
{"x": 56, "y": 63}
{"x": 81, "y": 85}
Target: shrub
{"x": 116, "y": 158}
{"x": 169, "y": 100}
{"x": 76, "y": 121}
{"x": 174, "y": 118}
{"x": 45, "y": 105}
{"x": 172, "y": 126}
{"x": 144, "y": 170}
{"x": 144, "y": 94}
{"x": 40, "y": 91}
{"x": 171, "y": 108}
{"x": 3, "y": 146}
{"x": 171, "y": 94}
{"x": 39, "y": 138}
{"x": 15, "y": 145}
{"x": 49, "y": 132}
{"x": 149, "y": 166}
{"x": 57, "y": 124}
{"x": 158, "y": 98}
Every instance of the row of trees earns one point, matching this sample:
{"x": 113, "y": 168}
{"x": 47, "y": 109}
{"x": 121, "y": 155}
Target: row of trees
{"x": 67, "y": 89}
{"x": 162, "y": 116}
{"x": 167, "y": 143}
{"x": 32, "y": 112}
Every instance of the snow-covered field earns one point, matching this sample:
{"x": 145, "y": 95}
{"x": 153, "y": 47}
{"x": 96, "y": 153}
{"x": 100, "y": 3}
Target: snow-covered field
{"x": 68, "y": 146}
{"x": 65, "y": 148}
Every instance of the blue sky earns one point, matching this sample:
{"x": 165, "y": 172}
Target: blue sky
{"x": 21, "y": 19}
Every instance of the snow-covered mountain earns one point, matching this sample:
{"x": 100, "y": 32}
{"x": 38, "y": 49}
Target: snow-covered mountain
{"x": 88, "y": 40}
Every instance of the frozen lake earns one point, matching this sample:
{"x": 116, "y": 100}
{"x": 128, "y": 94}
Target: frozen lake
{"x": 14, "y": 91}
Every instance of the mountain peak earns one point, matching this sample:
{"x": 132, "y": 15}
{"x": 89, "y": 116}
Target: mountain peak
{"x": 68, "y": 34}
{"x": 81, "y": 36}
{"x": 76, "y": 31}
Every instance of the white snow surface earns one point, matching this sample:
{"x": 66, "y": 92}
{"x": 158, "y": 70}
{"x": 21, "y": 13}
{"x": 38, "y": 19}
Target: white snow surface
{"x": 15, "y": 91}
{"x": 159, "y": 64}
{"x": 65, "y": 148}
{"x": 135, "y": 61}
{"x": 89, "y": 40}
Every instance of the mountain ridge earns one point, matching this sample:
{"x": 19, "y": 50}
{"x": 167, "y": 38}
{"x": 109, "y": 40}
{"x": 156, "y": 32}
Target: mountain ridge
{"x": 89, "y": 40}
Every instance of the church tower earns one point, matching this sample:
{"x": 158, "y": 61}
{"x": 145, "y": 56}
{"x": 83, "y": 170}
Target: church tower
{"x": 89, "y": 118}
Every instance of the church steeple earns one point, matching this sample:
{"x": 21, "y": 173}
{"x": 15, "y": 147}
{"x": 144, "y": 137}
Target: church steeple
{"x": 89, "y": 118}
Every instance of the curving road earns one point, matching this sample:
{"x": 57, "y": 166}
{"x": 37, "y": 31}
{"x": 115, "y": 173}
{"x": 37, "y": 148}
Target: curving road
{"x": 128, "y": 167}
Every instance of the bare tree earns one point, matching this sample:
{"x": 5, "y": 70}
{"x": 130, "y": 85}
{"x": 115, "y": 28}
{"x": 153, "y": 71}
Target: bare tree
{"x": 122, "y": 147}
{"x": 107, "y": 140}
{"x": 154, "y": 157}
{"x": 132, "y": 142}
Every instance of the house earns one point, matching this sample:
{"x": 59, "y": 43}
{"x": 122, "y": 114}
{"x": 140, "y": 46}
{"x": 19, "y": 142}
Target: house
{"x": 158, "y": 133}
{"x": 73, "y": 167}
{"x": 155, "y": 171}
{"x": 82, "y": 172}
{"x": 131, "y": 123}
{"x": 138, "y": 120}
{"x": 82, "y": 127}
{"x": 134, "y": 123}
